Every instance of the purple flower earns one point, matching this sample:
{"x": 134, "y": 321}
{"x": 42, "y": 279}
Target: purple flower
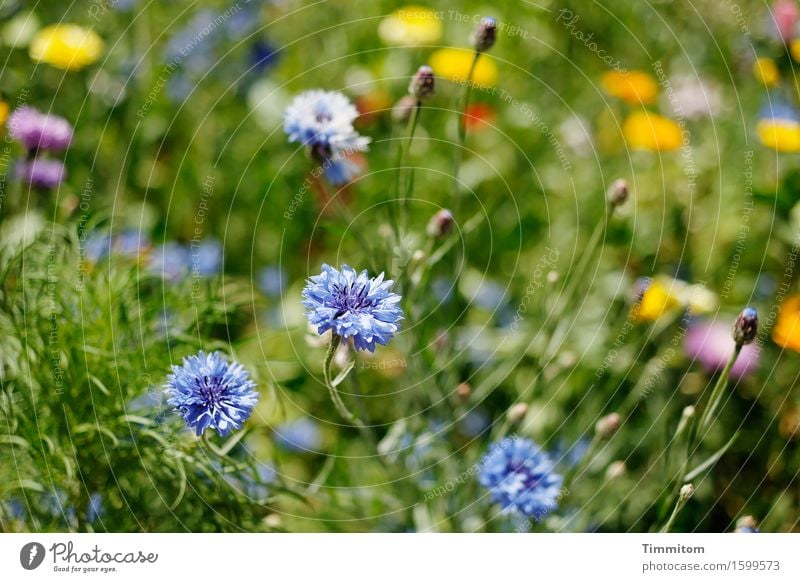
{"x": 711, "y": 344}
{"x": 323, "y": 121}
{"x": 521, "y": 477}
{"x": 208, "y": 392}
{"x": 43, "y": 172}
{"x": 130, "y": 243}
{"x": 170, "y": 261}
{"x": 353, "y": 305}
{"x": 39, "y": 131}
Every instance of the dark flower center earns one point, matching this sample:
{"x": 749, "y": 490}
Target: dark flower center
{"x": 531, "y": 480}
{"x": 352, "y": 297}
{"x": 211, "y": 389}
{"x": 323, "y": 116}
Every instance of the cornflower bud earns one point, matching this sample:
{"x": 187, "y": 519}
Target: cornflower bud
{"x": 608, "y": 425}
{"x": 422, "y": 84}
{"x": 485, "y": 35}
{"x": 746, "y": 328}
{"x": 440, "y": 224}
{"x": 517, "y": 412}
{"x": 617, "y": 193}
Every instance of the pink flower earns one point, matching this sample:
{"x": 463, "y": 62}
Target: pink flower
{"x": 711, "y": 344}
{"x": 785, "y": 14}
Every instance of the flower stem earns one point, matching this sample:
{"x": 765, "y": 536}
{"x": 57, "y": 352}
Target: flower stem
{"x": 677, "y": 509}
{"x": 583, "y": 463}
{"x": 335, "y": 396}
{"x": 575, "y": 280}
{"x": 716, "y": 395}
{"x": 462, "y": 134}
{"x": 404, "y": 153}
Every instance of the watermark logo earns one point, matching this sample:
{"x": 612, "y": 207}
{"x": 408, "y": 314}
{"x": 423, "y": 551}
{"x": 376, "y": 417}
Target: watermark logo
{"x": 31, "y": 555}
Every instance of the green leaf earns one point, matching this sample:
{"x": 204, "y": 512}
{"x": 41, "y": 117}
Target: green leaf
{"x": 181, "y": 486}
{"x": 711, "y": 460}
{"x": 96, "y": 381}
{"x": 343, "y": 374}
{"x": 11, "y": 439}
{"x": 87, "y": 427}
{"x": 131, "y": 418}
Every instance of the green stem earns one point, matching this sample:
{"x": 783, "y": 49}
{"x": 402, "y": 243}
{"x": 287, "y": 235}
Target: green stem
{"x": 585, "y": 460}
{"x": 462, "y": 133}
{"x": 404, "y": 153}
{"x": 572, "y": 287}
{"x": 224, "y": 458}
{"x": 716, "y": 395}
{"x": 345, "y": 213}
{"x": 671, "y": 521}
{"x": 334, "y": 393}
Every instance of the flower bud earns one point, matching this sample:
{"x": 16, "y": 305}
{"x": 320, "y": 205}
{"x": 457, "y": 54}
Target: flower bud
{"x": 273, "y": 521}
{"x": 688, "y": 412}
{"x": 608, "y": 425}
{"x": 484, "y": 36}
{"x": 616, "y": 469}
{"x": 517, "y": 412}
{"x": 422, "y": 84}
{"x": 463, "y": 391}
{"x": 746, "y": 328}
{"x": 441, "y": 224}
{"x": 686, "y": 492}
{"x": 617, "y": 193}
{"x": 747, "y": 524}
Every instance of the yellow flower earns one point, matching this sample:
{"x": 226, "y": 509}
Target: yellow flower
{"x": 786, "y": 332}
{"x": 649, "y": 131}
{"x": 698, "y": 298}
{"x": 634, "y": 87}
{"x": 3, "y": 112}
{"x": 782, "y": 135}
{"x": 411, "y": 25}
{"x": 794, "y": 49}
{"x": 657, "y": 299}
{"x": 66, "y": 46}
{"x": 766, "y": 72}
{"x": 454, "y": 64}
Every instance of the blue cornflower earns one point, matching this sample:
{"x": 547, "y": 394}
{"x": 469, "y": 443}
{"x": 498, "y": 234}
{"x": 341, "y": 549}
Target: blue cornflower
{"x": 209, "y": 392}
{"x": 340, "y": 168}
{"x": 206, "y": 257}
{"x": 263, "y": 55}
{"x": 96, "y": 508}
{"x": 272, "y": 280}
{"x": 170, "y": 261}
{"x": 130, "y": 242}
{"x": 779, "y": 110}
{"x": 323, "y": 121}
{"x": 257, "y": 488}
{"x": 96, "y": 247}
{"x": 473, "y": 423}
{"x": 747, "y": 524}
{"x": 521, "y": 477}
{"x": 353, "y": 306}
{"x": 301, "y": 435}
{"x": 192, "y": 45}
